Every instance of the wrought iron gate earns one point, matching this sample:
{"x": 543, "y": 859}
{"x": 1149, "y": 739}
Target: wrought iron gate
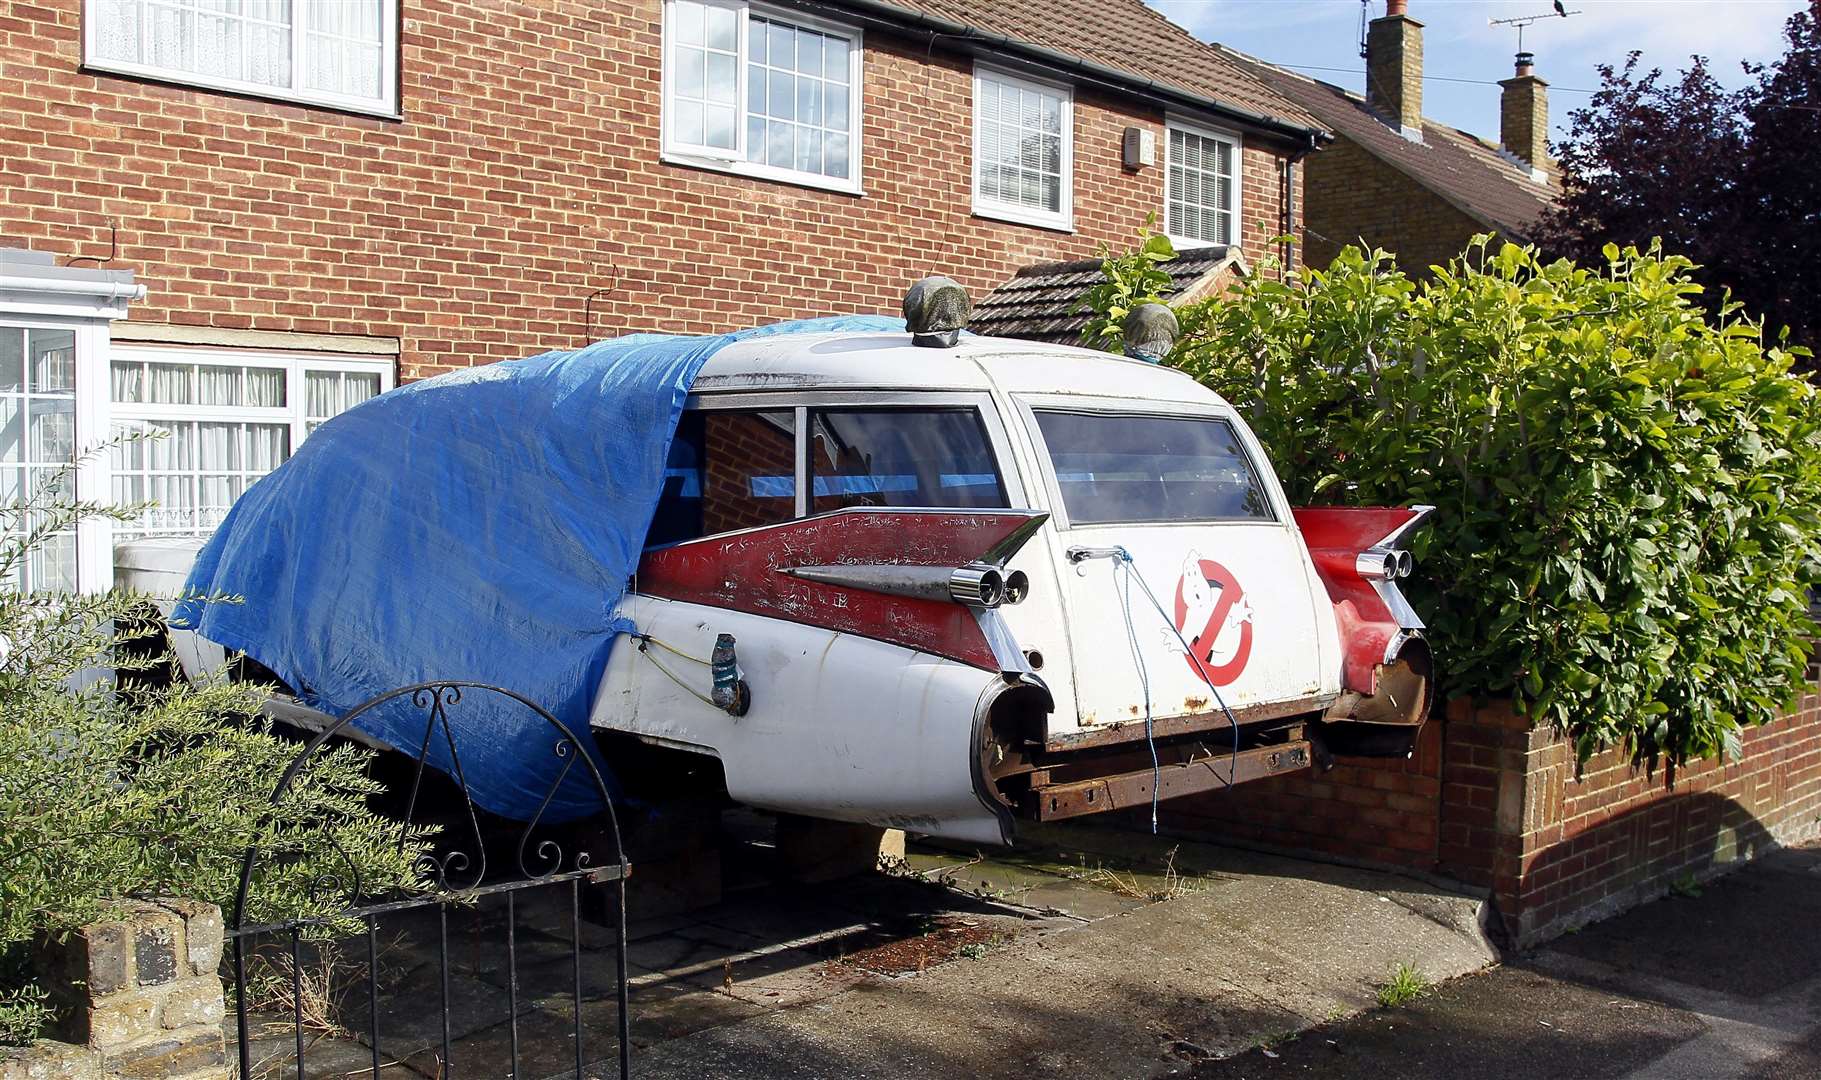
{"x": 543, "y": 867}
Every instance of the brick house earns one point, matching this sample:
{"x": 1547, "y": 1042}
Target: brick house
{"x": 326, "y": 197}
{"x": 1405, "y": 183}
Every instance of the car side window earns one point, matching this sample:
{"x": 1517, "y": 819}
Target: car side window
{"x": 901, "y": 457}
{"x": 728, "y": 469}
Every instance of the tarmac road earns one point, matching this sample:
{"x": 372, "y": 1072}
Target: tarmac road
{"x": 1725, "y": 985}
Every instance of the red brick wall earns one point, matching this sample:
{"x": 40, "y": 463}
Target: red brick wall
{"x": 1600, "y": 838}
{"x": 1379, "y": 812}
{"x": 1490, "y": 802}
{"x": 524, "y": 176}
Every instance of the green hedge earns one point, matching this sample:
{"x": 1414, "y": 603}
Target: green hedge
{"x": 1628, "y": 489}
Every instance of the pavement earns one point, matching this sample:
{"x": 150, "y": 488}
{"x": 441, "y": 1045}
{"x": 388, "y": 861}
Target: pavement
{"x": 1719, "y": 984}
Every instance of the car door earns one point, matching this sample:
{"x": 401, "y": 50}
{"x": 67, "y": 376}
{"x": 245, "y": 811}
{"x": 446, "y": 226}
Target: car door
{"x": 1178, "y": 495}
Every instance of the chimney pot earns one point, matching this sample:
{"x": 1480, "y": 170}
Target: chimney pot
{"x": 1394, "y": 69}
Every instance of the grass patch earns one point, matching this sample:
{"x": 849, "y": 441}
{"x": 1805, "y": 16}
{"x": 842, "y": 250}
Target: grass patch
{"x": 1405, "y": 985}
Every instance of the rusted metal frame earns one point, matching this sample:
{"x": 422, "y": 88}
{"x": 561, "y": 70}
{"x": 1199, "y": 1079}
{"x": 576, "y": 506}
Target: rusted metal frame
{"x": 1187, "y": 724}
{"x": 1124, "y": 790}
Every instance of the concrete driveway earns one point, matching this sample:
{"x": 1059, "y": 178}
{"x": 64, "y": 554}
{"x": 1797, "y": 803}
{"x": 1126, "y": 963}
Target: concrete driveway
{"x": 1087, "y": 953}
{"x": 1113, "y": 955}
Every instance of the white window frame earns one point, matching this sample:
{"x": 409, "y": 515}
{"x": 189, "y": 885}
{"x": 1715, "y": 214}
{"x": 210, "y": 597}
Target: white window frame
{"x": 386, "y": 105}
{"x": 94, "y": 539}
{"x": 1234, "y": 139}
{"x": 734, "y": 160}
{"x": 295, "y": 411}
{"x": 1063, "y": 219}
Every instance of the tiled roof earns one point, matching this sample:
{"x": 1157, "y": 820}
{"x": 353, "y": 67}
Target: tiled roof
{"x": 1461, "y": 168}
{"x": 1038, "y": 304}
{"x": 1124, "y": 35}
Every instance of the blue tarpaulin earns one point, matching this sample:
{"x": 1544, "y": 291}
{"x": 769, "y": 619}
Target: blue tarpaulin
{"x": 476, "y": 526}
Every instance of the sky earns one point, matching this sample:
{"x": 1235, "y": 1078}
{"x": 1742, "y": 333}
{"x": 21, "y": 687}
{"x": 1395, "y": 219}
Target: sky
{"x": 1459, "y": 45}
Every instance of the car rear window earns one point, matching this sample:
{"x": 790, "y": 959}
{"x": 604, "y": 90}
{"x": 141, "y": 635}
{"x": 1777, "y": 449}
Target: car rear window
{"x": 1123, "y": 467}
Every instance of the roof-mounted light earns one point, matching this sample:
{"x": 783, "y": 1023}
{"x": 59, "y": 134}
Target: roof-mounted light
{"x": 1150, "y": 332}
{"x": 936, "y": 310}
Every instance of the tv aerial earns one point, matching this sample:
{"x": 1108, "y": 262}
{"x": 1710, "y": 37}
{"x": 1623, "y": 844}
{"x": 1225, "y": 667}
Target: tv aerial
{"x": 1521, "y": 21}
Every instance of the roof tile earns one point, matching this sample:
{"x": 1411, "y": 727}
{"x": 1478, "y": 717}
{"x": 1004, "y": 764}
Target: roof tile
{"x": 1039, "y": 303}
{"x": 1458, "y": 166}
{"x": 1125, "y": 35}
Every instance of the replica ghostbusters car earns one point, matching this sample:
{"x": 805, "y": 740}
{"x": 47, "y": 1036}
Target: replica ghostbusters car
{"x": 942, "y": 583}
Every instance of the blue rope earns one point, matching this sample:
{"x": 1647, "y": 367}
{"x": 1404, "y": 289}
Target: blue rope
{"x": 1123, "y": 562}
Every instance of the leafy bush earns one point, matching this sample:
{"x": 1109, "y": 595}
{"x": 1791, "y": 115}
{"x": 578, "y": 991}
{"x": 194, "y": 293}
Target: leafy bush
{"x": 108, "y": 794}
{"x": 1628, "y": 488}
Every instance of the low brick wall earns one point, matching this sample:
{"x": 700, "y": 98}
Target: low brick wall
{"x": 1590, "y": 841}
{"x": 1383, "y": 813}
{"x": 139, "y": 996}
{"x": 1490, "y": 802}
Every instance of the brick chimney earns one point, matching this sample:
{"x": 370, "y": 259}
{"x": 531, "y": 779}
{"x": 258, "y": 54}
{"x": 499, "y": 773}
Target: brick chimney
{"x": 1524, "y": 114}
{"x": 1394, "y": 69}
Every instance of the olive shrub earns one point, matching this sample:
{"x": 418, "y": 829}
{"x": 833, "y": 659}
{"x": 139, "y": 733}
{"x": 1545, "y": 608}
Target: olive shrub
{"x": 113, "y": 792}
{"x": 1628, "y": 487}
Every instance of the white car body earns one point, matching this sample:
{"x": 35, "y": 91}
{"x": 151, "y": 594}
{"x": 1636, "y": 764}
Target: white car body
{"x": 852, "y": 725}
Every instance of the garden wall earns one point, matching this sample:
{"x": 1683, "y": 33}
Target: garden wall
{"x": 1489, "y": 802}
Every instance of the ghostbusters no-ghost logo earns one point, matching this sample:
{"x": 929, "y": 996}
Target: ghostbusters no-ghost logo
{"x": 1215, "y": 619}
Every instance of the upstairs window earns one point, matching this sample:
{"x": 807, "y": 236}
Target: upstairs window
{"x": 1023, "y": 158}
{"x": 1202, "y": 205}
{"x": 762, "y": 93}
{"x": 341, "y": 53}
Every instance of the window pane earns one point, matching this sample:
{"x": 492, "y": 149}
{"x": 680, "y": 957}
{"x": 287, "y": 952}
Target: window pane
{"x": 726, "y": 471}
{"x": 799, "y": 84}
{"x": 323, "y": 391}
{"x": 52, "y": 356}
{"x": 723, "y": 30}
{"x": 12, "y": 359}
{"x": 704, "y": 73}
{"x": 168, "y": 384}
{"x": 358, "y": 388}
{"x": 266, "y": 387}
{"x": 218, "y": 385}
{"x": 53, "y": 430}
{"x": 250, "y": 41}
{"x": 1201, "y": 187}
{"x": 687, "y": 22}
{"x": 902, "y": 457}
{"x": 1114, "y": 468}
{"x": 12, "y": 430}
{"x": 1018, "y": 145}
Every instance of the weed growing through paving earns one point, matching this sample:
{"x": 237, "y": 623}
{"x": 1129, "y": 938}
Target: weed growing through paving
{"x": 1688, "y": 887}
{"x": 1173, "y": 885}
{"x": 1406, "y": 985}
